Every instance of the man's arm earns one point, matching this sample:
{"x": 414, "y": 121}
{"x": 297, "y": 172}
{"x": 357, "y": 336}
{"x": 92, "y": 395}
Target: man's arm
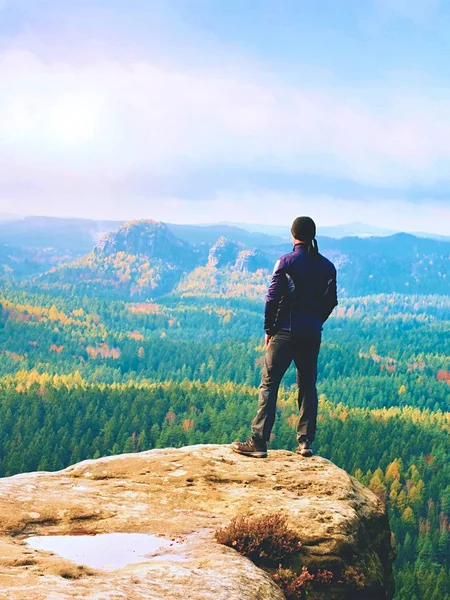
{"x": 274, "y": 294}
{"x": 330, "y": 300}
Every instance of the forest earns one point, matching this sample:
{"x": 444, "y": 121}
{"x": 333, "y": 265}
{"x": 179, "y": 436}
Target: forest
{"x": 84, "y": 377}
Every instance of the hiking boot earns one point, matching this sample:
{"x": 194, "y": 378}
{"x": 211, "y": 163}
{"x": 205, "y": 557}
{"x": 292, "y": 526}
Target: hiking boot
{"x": 252, "y": 447}
{"x": 305, "y": 448}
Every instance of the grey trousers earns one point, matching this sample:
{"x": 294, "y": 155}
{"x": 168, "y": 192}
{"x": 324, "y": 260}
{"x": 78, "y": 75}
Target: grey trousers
{"x": 285, "y": 347}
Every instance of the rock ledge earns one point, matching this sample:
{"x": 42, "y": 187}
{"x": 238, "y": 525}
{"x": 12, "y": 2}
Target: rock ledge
{"x": 186, "y": 494}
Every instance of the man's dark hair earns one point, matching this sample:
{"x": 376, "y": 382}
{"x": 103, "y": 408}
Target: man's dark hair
{"x": 304, "y": 230}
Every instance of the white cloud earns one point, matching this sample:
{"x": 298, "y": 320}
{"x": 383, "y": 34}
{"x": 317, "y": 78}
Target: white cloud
{"x": 109, "y": 119}
{"x": 79, "y": 134}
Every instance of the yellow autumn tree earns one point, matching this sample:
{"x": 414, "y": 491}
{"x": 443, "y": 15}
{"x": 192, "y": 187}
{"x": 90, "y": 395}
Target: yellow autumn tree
{"x": 393, "y": 471}
{"x": 408, "y": 516}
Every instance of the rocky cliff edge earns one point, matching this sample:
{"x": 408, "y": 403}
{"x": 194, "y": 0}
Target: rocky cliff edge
{"x": 183, "y": 496}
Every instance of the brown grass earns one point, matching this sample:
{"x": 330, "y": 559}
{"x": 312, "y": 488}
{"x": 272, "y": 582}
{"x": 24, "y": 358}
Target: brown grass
{"x": 266, "y": 540}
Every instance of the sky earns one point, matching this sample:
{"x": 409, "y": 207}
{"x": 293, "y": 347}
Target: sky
{"x": 250, "y": 111}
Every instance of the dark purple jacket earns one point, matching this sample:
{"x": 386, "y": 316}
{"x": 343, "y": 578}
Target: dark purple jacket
{"x": 302, "y": 293}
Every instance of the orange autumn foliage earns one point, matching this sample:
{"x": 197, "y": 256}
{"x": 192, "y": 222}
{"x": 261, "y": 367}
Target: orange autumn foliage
{"x": 55, "y": 348}
{"x": 443, "y": 376}
{"x": 188, "y": 425}
{"x": 103, "y": 351}
{"x": 135, "y": 335}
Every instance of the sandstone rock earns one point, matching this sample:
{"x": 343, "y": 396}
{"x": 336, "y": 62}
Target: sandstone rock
{"x": 186, "y": 494}
{"x": 249, "y": 261}
{"x": 152, "y": 239}
{"x": 224, "y": 253}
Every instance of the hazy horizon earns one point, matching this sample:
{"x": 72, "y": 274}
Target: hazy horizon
{"x": 251, "y": 225}
{"x": 181, "y": 111}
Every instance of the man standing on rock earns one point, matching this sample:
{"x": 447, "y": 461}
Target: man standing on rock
{"x": 300, "y": 299}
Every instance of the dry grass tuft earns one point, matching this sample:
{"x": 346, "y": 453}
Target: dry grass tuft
{"x": 266, "y": 541}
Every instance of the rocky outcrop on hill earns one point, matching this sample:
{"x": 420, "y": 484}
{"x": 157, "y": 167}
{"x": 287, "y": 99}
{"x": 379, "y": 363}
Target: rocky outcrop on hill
{"x": 140, "y": 259}
{"x": 226, "y": 253}
{"x": 184, "y": 495}
{"x": 152, "y": 239}
{"x": 251, "y": 261}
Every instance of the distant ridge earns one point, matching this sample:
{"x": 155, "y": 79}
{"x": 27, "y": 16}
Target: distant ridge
{"x": 209, "y": 233}
{"x": 355, "y": 229}
{"x": 77, "y": 236}
{"x": 144, "y": 259}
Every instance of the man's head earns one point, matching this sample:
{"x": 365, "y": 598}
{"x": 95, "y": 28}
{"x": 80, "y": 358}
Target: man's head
{"x": 303, "y": 229}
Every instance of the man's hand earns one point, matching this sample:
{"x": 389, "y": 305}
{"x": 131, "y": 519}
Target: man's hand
{"x": 267, "y": 338}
